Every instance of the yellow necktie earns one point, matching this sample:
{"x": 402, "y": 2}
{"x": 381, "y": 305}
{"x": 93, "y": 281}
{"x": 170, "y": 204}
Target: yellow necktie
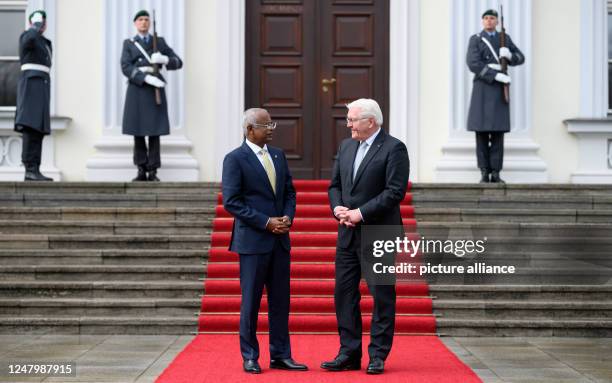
{"x": 269, "y": 168}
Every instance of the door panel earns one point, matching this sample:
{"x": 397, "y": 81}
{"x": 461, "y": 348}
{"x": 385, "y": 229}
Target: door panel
{"x": 292, "y": 47}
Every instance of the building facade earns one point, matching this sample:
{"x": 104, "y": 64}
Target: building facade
{"x": 239, "y": 54}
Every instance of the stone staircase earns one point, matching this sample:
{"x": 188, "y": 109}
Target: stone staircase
{"x": 559, "y": 238}
{"x": 100, "y": 258}
{"x": 103, "y": 258}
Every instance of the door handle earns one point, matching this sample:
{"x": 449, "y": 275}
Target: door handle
{"x": 326, "y": 83}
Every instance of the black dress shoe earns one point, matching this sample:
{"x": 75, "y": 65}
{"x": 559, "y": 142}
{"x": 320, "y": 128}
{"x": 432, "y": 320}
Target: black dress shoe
{"x": 251, "y": 366}
{"x": 342, "y": 363}
{"x": 33, "y": 173}
{"x": 484, "y": 179}
{"x": 495, "y": 178}
{"x": 287, "y": 364}
{"x": 153, "y": 176}
{"x": 142, "y": 174}
{"x": 376, "y": 366}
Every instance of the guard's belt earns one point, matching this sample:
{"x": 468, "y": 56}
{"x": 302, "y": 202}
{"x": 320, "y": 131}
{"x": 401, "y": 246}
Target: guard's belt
{"x": 38, "y": 67}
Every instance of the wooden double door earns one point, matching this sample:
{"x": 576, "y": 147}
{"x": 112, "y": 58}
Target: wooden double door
{"x": 305, "y": 60}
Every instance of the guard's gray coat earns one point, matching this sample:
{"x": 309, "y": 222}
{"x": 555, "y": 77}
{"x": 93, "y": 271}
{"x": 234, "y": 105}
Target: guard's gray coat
{"x": 488, "y": 110}
{"x": 34, "y": 87}
{"x": 141, "y": 115}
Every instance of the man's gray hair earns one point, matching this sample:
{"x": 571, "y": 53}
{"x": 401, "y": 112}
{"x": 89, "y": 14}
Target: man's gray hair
{"x": 249, "y": 117}
{"x": 369, "y": 108}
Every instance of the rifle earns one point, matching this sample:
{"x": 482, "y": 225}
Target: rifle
{"x": 158, "y": 100}
{"x": 504, "y": 61}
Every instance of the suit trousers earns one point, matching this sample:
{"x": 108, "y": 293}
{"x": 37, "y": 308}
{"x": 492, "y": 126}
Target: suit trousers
{"x": 490, "y": 150}
{"x": 348, "y": 312}
{"x": 150, "y": 157}
{"x": 272, "y": 271}
{"x": 31, "y": 147}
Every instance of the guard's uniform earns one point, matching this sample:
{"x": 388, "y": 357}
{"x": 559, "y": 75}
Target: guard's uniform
{"x": 32, "y": 116}
{"x": 141, "y": 115}
{"x": 489, "y": 115}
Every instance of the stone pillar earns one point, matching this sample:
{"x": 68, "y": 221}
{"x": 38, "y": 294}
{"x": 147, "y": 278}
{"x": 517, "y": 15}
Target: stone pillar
{"x": 521, "y": 160}
{"x": 403, "y": 119}
{"x": 593, "y": 128}
{"x": 113, "y": 160}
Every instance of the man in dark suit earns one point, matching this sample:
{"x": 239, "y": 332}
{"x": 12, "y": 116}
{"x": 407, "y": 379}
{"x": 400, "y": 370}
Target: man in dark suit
{"x": 369, "y": 181}
{"x": 258, "y": 191}
{"x": 142, "y": 116}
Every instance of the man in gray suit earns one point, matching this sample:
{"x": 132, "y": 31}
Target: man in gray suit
{"x": 369, "y": 180}
{"x": 489, "y": 114}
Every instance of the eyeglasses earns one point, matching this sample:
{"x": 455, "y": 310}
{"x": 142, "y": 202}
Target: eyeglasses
{"x": 354, "y": 120}
{"x": 269, "y": 125}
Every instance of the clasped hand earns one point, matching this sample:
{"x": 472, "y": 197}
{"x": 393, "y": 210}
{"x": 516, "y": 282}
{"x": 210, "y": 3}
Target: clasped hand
{"x": 347, "y": 217}
{"x": 279, "y": 225}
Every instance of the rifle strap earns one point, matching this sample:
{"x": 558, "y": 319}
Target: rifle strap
{"x": 490, "y": 48}
{"x": 141, "y": 49}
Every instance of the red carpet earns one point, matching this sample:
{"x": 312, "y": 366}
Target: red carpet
{"x": 214, "y": 357}
{"x": 413, "y": 359}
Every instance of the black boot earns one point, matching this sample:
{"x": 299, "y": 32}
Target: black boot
{"x": 153, "y": 175}
{"x": 495, "y": 178}
{"x": 485, "y": 176}
{"x": 32, "y": 173}
{"x": 142, "y": 174}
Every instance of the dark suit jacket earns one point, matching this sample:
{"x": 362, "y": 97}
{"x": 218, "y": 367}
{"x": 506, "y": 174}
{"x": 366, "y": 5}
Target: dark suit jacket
{"x": 379, "y": 186}
{"x": 248, "y": 196}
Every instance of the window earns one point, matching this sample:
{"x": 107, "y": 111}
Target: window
{"x": 12, "y": 16}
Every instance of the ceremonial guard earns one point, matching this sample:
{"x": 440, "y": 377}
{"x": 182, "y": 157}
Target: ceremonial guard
{"x": 489, "y": 53}
{"x": 32, "y": 116}
{"x": 146, "y": 111}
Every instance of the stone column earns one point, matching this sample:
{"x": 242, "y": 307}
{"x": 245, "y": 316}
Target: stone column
{"x": 403, "y": 119}
{"x": 593, "y": 128}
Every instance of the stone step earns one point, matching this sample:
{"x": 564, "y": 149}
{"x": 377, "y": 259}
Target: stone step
{"x": 518, "y": 309}
{"x": 101, "y": 289}
{"x": 107, "y": 227}
{"x": 110, "y": 187}
{"x": 102, "y": 273}
{"x": 102, "y": 257}
{"x": 62, "y": 307}
{"x": 476, "y": 327}
{"x": 549, "y": 244}
{"x": 586, "y": 202}
{"x": 595, "y": 293}
{"x": 513, "y": 229}
{"x": 107, "y": 200}
{"x": 476, "y": 189}
{"x": 486, "y": 215}
{"x": 14, "y": 241}
{"x": 531, "y": 276}
{"x": 157, "y": 214}
{"x": 99, "y": 325}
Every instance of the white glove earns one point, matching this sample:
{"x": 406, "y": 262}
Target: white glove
{"x": 158, "y": 58}
{"x": 37, "y": 18}
{"x": 503, "y": 78}
{"x": 496, "y": 67}
{"x": 146, "y": 69}
{"x": 154, "y": 81}
{"x": 505, "y": 52}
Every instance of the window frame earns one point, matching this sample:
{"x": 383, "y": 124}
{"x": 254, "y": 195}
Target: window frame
{"x": 12, "y": 5}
